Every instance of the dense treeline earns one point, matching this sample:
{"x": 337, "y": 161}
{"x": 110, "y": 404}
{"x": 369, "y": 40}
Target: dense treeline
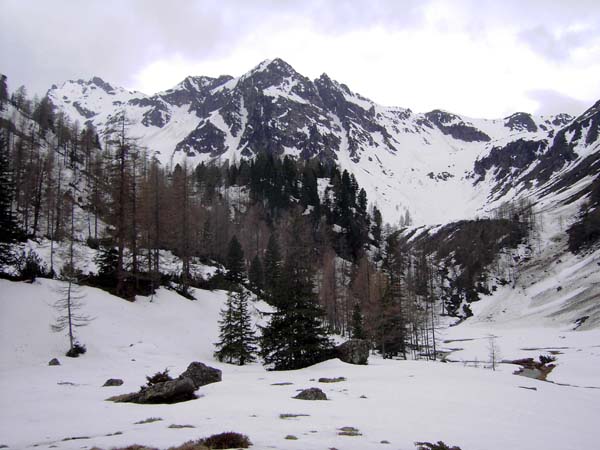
{"x": 299, "y": 234}
{"x": 585, "y": 231}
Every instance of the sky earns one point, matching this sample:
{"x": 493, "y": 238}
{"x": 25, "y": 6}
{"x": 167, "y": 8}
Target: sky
{"x": 480, "y": 58}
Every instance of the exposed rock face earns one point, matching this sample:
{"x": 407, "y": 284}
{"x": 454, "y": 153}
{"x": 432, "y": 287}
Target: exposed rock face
{"x": 113, "y": 382}
{"x": 454, "y": 126}
{"x": 174, "y": 391}
{"x": 201, "y": 374}
{"x": 354, "y": 351}
{"x": 54, "y": 362}
{"x": 521, "y": 122}
{"x": 311, "y": 394}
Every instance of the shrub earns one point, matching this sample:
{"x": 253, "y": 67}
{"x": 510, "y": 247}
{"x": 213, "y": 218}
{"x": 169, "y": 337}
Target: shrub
{"x": 190, "y": 445}
{"x": 159, "y": 377}
{"x": 225, "y": 440}
{"x": 78, "y": 349}
{"x": 31, "y": 266}
{"x": 439, "y": 446}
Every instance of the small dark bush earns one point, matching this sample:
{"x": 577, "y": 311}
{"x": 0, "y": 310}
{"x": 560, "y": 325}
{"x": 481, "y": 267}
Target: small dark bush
{"x": 159, "y": 377}
{"x": 225, "y": 440}
{"x": 439, "y": 446}
{"x": 190, "y": 445}
{"x": 78, "y": 349}
{"x": 31, "y": 266}
{"x": 546, "y": 359}
{"x": 93, "y": 243}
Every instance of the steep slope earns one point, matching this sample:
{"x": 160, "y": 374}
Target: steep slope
{"x": 423, "y": 163}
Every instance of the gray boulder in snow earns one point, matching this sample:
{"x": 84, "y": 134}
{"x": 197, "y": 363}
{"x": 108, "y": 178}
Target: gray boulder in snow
{"x": 54, "y": 362}
{"x": 113, "y": 382}
{"x": 311, "y": 394}
{"x": 354, "y": 351}
{"x": 200, "y": 374}
{"x": 173, "y": 391}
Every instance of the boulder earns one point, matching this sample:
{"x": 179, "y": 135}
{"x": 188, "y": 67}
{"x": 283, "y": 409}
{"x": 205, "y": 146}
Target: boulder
{"x": 201, "y": 374}
{"x": 311, "y": 394}
{"x": 173, "y": 391}
{"x": 113, "y": 382}
{"x": 54, "y": 362}
{"x": 354, "y": 351}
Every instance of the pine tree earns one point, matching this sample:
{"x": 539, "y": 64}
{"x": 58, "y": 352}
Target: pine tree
{"x": 272, "y": 269}
{"x": 3, "y": 91}
{"x": 256, "y": 274}
{"x": 8, "y": 226}
{"x": 235, "y": 261}
{"x": 357, "y": 329}
{"x": 236, "y": 339}
{"x": 296, "y": 336}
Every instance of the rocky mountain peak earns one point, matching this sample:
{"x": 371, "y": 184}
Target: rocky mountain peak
{"x": 97, "y": 81}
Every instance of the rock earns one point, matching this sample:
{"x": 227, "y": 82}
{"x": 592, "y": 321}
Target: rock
{"x": 174, "y": 391}
{"x": 332, "y": 380}
{"x": 168, "y": 392}
{"x": 349, "y": 431}
{"x": 354, "y": 351}
{"x": 201, "y": 374}
{"x": 54, "y": 362}
{"x": 113, "y": 382}
{"x": 311, "y": 394}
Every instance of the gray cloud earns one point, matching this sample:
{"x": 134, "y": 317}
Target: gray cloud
{"x": 553, "y": 102}
{"x": 551, "y": 46}
{"x": 44, "y": 42}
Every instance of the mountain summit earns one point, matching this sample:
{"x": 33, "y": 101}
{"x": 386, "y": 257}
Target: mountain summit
{"x": 438, "y": 165}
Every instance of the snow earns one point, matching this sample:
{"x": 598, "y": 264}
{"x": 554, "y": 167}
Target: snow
{"x": 398, "y": 401}
{"x": 392, "y": 166}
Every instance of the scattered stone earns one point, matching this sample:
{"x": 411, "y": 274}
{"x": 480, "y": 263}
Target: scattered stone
{"x": 291, "y": 416}
{"x": 528, "y": 387}
{"x": 291, "y": 437}
{"x": 66, "y": 383}
{"x": 354, "y": 351}
{"x": 363, "y": 396}
{"x": 116, "y": 433}
{"x": 3, "y": 446}
{"x": 200, "y": 374}
{"x": 175, "y": 426}
{"x": 283, "y": 383}
{"x": 349, "y": 431}
{"x": 54, "y": 362}
{"x": 113, "y": 382}
{"x": 148, "y": 420}
{"x": 384, "y": 442}
{"x": 311, "y": 394}
{"x": 75, "y": 438}
{"x": 332, "y": 380}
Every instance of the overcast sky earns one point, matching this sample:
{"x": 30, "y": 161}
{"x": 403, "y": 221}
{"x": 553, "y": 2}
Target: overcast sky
{"x": 475, "y": 57}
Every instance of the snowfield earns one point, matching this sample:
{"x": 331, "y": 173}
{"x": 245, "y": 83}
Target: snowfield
{"x": 388, "y": 400}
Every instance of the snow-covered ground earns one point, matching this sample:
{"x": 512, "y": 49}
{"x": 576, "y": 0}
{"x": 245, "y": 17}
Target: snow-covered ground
{"x": 396, "y": 401}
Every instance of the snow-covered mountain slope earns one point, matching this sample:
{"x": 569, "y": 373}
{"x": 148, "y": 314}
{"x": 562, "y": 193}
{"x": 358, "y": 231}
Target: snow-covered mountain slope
{"x": 438, "y": 165}
{"x": 396, "y": 401}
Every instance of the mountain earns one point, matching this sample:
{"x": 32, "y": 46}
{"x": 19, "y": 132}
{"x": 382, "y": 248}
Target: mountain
{"x": 439, "y": 166}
